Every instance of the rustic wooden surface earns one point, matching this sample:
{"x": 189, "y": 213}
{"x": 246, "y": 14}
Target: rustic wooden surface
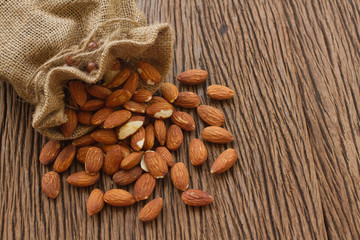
{"x": 294, "y": 66}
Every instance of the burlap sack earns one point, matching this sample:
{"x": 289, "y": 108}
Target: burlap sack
{"x": 36, "y": 36}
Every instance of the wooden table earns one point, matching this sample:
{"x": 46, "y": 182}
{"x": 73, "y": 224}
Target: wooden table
{"x": 294, "y": 66}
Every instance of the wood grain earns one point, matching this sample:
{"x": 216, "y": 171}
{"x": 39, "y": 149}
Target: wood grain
{"x": 294, "y": 66}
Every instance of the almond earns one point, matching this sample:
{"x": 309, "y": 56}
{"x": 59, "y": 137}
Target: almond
{"x": 77, "y": 92}
{"x": 113, "y": 72}
{"x": 85, "y": 140}
{"x": 149, "y": 137}
{"x": 93, "y": 105}
{"x": 144, "y": 187}
{"x": 112, "y": 160}
{"x": 224, "y": 161}
{"x": 160, "y": 131}
{"x": 125, "y": 149}
{"x": 166, "y": 155}
{"x": 131, "y": 160}
{"x": 216, "y": 134}
{"x": 118, "y": 98}
{"x": 219, "y": 92}
{"x": 142, "y": 95}
{"x": 169, "y": 91}
{"x": 135, "y": 107}
{"x": 143, "y": 164}
{"x": 95, "y": 202}
{"x": 183, "y": 120}
{"x": 81, "y": 153}
{"x": 131, "y": 83}
{"x": 50, "y": 151}
{"x": 100, "y": 116}
{"x": 94, "y": 160}
{"x": 117, "y": 118}
{"x": 84, "y": 117}
{"x": 98, "y": 91}
{"x": 151, "y": 210}
{"x": 82, "y": 179}
{"x": 123, "y": 178}
{"x": 187, "y": 100}
{"x": 156, "y": 166}
{"x": 156, "y": 99}
{"x": 192, "y": 77}
{"x": 71, "y": 102}
{"x": 180, "y": 176}
{"x": 197, "y": 152}
{"x": 120, "y": 78}
{"x": 211, "y": 115}
{"x": 69, "y": 126}
{"x": 130, "y": 127}
{"x": 50, "y": 184}
{"x": 196, "y": 198}
{"x": 119, "y": 198}
{"x": 138, "y": 140}
{"x": 148, "y": 73}
{"x": 174, "y": 138}
{"x": 160, "y": 110}
{"x": 64, "y": 159}
{"x": 106, "y": 136}
{"x": 106, "y": 148}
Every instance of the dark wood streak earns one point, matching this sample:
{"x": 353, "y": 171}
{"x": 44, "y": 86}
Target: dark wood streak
{"x": 294, "y": 67}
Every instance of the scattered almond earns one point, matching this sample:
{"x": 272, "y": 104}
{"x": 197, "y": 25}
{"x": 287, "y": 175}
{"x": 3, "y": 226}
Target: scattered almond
{"x": 106, "y": 136}
{"x": 50, "y": 151}
{"x": 120, "y": 78}
{"x": 196, "y": 198}
{"x": 50, "y": 184}
{"x": 82, "y": 179}
{"x": 85, "y": 140}
{"x": 216, "y": 134}
{"x": 187, "y": 100}
{"x": 94, "y": 160}
{"x": 119, "y": 198}
{"x": 142, "y": 95}
{"x": 131, "y": 160}
{"x": 77, "y": 92}
{"x": 100, "y": 116}
{"x": 183, "y": 120}
{"x": 149, "y": 74}
{"x": 169, "y": 91}
{"x": 149, "y": 137}
{"x": 160, "y": 110}
{"x": 117, "y": 118}
{"x": 166, "y": 155}
{"x": 224, "y": 161}
{"x": 138, "y": 139}
{"x": 219, "y": 92}
{"x": 118, "y": 98}
{"x": 192, "y": 77}
{"x": 84, "y": 117}
{"x": 98, "y": 91}
{"x": 135, "y": 106}
{"x": 64, "y": 159}
{"x": 131, "y": 83}
{"x": 157, "y": 99}
{"x": 174, "y": 137}
{"x": 151, "y": 210}
{"x": 130, "y": 127}
{"x": 211, "y": 115}
{"x": 93, "y": 105}
{"x": 144, "y": 187}
{"x": 112, "y": 160}
{"x": 160, "y": 131}
{"x": 123, "y": 178}
{"x": 69, "y": 126}
{"x": 95, "y": 202}
{"x": 113, "y": 72}
{"x": 180, "y": 176}
{"x": 197, "y": 152}
{"x": 81, "y": 153}
{"x": 156, "y": 166}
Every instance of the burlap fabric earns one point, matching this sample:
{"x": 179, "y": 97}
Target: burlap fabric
{"x": 36, "y": 36}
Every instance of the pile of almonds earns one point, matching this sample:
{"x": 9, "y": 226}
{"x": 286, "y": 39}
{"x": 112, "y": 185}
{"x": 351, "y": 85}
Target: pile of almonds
{"x": 123, "y": 144}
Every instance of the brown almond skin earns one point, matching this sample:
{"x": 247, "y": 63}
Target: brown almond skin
{"x": 196, "y": 198}
{"x": 93, "y": 105}
{"x": 180, "y": 176}
{"x": 94, "y": 160}
{"x": 151, "y": 210}
{"x": 187, "y": 100}
{"x": 157, "y": 99}
{"x": 123, "y": 178}
{"x": 160, "y": 131}
{"x": 135, "y": 107}
{"x": 224, "y": 161}
{"x": 148, "y": 73}
{"x": 120, "y": 78}
{"x": 160, "y": 110}
{"x": 149, "y": 137}
{"x": 50, "y": 151}
{"x": 84, "y": 117}
{"x": 216, "y": 134}
{"x": 117, "y": 118}
{"x": 77, "y": 92}
{"x": 106, "y": 136}
{"x": 155, "y": 164}
{"x": 81, "y": 153}
{"x": 119, "y": 198}
{"x": 64, "y": 159}
{"x": 69, "y": 126}
{"x": 138, "y": 140}
{"x": 197, "y": 152}
{"x": 100, "y": 116}
{"x": 131, "y": 83}
{"x": 142, "y": 95}
{"x": 169, "y": 91}
{"x": 71, "y": 103}
{"x": 166, "y": 155}
{"x": 144, "y": 187}
{"x": 219, "y": 92}
{"x": 192, "y": 77}
{"x": 50, "y": 184}
{"x": 82, "y": 179}
{"x": 183, "y": 120}
{"x": 112, "y": 160}
{"x": 125, "y": 149}
{"x": 131, "y": 160}
{"x": 174, "y": 138}
{"x": 211, "y": 115}
{"x": 95, "y": 202}
{"x": 98, "y": 91}
{"x": 130, "y": 127}
{"x": 117, "y": 98}
{"x": 85, "y": 140}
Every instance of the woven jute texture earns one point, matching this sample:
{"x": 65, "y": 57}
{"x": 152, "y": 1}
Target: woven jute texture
{"x": 36, "y": 36}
